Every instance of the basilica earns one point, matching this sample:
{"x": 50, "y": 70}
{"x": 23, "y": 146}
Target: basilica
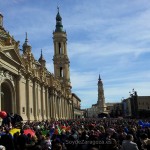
{"x": 27, "y": 87}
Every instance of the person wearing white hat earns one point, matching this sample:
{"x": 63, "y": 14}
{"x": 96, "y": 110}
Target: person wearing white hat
{"x": 2, "y": 147}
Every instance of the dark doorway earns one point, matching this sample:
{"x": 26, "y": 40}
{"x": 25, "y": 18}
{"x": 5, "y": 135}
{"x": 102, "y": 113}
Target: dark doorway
{"x": 6, "y": 97}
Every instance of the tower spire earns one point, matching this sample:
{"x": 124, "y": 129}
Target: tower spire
{"x": 26, "y": 46}
{"x": 59, "y": 26}
{"x": 41, "y": 59}
{"x": 26, "y": 40}
{"x": 41, "y": 53}
{"x": 99, "y": 77}
{"x": 58, "y": 8}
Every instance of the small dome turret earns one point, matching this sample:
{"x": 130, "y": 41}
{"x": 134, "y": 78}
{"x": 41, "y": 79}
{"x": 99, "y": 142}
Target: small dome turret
{"x": 26, "y": 46}
{"x": 42, "y": 60}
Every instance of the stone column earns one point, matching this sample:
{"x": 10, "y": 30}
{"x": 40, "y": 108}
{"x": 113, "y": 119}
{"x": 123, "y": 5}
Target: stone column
{"x": 47, "y": 104}
{"x": 58, "y": 109}
{"x": 69, "y": 111}
{"x": 50, "y": 100}
{"x": 1, "y": 81}
{"x": 52, "y": 106}
{"x": 18, "y": 91}
{"x": 66, "y": 108}
{"x": 72, "y": 109}
{"x": 37, "y": 101}
{"x": 34, "y": 101}
{"x": 62, "y": 108}
{"x": 42, "y": 107}
{"x": 27, "y": 99}
{"x": 55, "y": 107}
{"x": 65, "y": 48}
{"x": 62, "y": 47}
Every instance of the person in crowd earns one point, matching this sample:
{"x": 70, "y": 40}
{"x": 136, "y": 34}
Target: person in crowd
{"x": 57, "y": 146}
{"x": 78, "y": 134}
{"x": 128, "y": 144}
{"x": 112, "y": 145}
{"x": 22, "y": 140}
{"x": 7, "y": 140}
{"x": 145, "y": 142}
{"x": 15, "y": 140}
{"x": 2, "y": 147}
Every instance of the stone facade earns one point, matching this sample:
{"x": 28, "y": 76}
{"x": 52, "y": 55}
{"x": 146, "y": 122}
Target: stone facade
{"x": 92, "y": 112}
{"x": 78, "y": 113}
{"x": 143, "y": 102}
{"x": 136, "y": 106}
{"x": 27, "y": 87}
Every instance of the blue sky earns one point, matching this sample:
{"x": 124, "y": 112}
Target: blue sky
{"x": 106, "y": 37}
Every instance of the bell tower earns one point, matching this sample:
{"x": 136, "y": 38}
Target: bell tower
{"x": 60, "y": 58}
{"x": 101, "y": 98}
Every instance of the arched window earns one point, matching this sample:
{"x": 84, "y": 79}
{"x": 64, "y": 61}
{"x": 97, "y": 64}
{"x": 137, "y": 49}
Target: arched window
{"x": 60, "y": 49}
{"x": 61, "y": 72}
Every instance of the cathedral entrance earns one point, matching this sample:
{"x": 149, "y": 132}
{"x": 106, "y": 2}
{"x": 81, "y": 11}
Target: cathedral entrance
{"x": 6, "y": 97}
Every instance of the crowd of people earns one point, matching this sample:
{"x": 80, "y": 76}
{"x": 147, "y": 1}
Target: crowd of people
{"x": 79, "y": 134}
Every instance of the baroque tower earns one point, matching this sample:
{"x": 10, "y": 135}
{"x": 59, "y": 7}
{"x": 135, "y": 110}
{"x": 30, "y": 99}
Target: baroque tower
{"x": 60, "y": 58}
{"x": 101, "y": 98}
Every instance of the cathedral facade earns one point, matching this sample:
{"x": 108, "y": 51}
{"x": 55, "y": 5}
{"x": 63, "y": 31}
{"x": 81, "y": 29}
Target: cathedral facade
{"x": 27, "y": 87}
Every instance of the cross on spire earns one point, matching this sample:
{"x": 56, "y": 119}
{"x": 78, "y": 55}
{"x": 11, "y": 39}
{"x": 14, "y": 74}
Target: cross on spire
{"x": 58, "y": 8}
